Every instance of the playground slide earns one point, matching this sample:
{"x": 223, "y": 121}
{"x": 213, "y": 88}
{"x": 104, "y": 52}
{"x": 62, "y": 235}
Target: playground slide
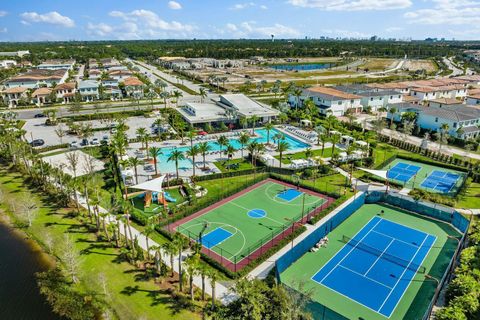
{"x": 169, "y": 197}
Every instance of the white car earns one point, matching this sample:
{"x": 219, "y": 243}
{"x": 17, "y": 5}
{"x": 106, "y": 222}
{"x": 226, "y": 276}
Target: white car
{"x": 74, "y": 145}
{"x": 94, "y": 142}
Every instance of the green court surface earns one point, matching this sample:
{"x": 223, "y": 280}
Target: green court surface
{"x": 330, "y": 305}
{"x": 417, "y": 180}
{"x": 237, "y": 227}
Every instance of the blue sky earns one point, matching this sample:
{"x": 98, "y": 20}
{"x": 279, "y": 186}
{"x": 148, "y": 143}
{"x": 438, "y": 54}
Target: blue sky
{"x": 37, "y": 20}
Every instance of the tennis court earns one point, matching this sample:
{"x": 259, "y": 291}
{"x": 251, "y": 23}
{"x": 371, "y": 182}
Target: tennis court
{"x": 441, "y": 181}
{"x": 376, "y": 266}
{"x": 420, "y": 175}
{"x": 237, "y": 226}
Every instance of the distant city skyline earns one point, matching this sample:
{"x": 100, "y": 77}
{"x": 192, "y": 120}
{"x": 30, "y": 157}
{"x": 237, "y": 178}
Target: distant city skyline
{"x": 54, "y": 20}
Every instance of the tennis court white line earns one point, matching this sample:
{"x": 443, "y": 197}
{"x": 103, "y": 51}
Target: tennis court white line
{"x": 405, "y": 270}
{"x": 379, "y": 257}
{"x": 344, "y": 257}
{"x": 399, "y": 240}
{"x": 363, "y": 276}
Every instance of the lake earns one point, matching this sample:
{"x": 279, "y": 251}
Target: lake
{"x": 302, "y": 67}
{"x": 20, "y": 259}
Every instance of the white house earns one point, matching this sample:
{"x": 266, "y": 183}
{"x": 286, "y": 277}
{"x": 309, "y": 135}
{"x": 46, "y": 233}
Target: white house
{"x": 329, "y": 100}
{"x": 57, "y": 64}
{"x": 12, "y": 96}
{"x": 88, "y": 90}
{"x": 244, "y": 107}
{"x": 37, "y": 78}
{"x": 5, "y": 64}
{"x": 444, "y": 102}
{"x": 373, "y": 98}
{"x": 66, "y": 91}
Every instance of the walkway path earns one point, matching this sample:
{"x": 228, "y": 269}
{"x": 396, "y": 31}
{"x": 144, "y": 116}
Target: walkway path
{"x": 223, "y": 293}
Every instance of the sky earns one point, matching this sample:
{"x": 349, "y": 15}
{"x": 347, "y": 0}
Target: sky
{"x": 52, "y": 20}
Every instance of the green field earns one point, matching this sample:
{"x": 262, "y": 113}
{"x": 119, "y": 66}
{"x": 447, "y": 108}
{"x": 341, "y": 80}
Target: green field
{"x": 417, "y": 296}
{"x": 247, "y": 232}
{"x": 423, "y": 173}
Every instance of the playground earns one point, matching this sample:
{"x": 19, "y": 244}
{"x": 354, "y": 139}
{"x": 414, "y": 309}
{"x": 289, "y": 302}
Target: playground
{"x": 380, "y": 263}
{"x": 428, "y": 177}
{"x": 238, "y": 226}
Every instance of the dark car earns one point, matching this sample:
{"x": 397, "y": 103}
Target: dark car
{"x": 37, "y": 143}
{"x": 84, "y": 142}
{"x": 39, "y": 115}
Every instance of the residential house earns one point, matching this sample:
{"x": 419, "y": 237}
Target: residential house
{"x": 66, "y": 92}
{"x": 111, "y": 89}
{"x": 41, "y": 96}
{"x": 473, "y": 99}
{"x": 6, "y": 64}
{"x": 241, "y": 106}
{"x": 88, "y": 90}
{"x": 134, "y": 87}
{"x": 329, "y": 100}
{"x": 14, "y": 96}
{"x": 443, "y": 102}
{"x": 57, "y": 64}
{"x": 373, "y": 98}
{"x": 37, "y": 78}
{"x": 119, "y": 75}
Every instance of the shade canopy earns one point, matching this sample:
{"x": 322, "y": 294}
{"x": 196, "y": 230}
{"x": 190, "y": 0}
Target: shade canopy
{"x": 154, "y": 185}
{"x": 379, "y": 173}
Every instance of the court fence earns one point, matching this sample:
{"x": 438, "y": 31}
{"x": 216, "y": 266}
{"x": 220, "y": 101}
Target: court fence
{"x": 406, "y": 203}
{"x": 235, "y": 262}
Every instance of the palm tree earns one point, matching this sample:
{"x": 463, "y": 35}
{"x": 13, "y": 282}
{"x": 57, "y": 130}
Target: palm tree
{"x": 154, "y": 152}
{"x": 281, "y": 148}
{"x": 252, "y": 148}
{"x": 268, "y": 126}
{"x": 203, "y": 269}
{"x": 193, "y": 152}
{"x": 229, "y": 151}
{"x": 243, "y": 122}
{"x": 213, "y": 275}
{"x": 171, "y": 250}
{"x": 179, "y": 241}
{"x": 334, "y": 139}
{"x": 243, "y": 140}
{"x": 253, "y": 120}
{"x": 392, "y": 111}
{"x": 149, "y": 230}
{"x": 177, "y": 95}
{"x": 165, "y": 96}
{"x": 141, "y": 133}
{"x": 222, "y": 141}
{"x": 323, "y": 139}
{"x": 297, "y": 93}
{"x": 191, "y": 267}
{"x": 204, "y": 148}
{"x": 308, "y": 153}
{"x": 158, "y": 123}
{"x": 203, "y": 94}
{"x": 176, "y": 156}
{"x": 135, "y": 162}
{"x": 190, "y": 135}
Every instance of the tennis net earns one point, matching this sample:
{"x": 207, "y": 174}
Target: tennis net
{"x": 383, "y": 255}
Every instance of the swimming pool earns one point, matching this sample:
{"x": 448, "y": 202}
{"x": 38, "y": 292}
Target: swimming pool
{"x": 302, "y": 67}
{"x": 183, "y": 165}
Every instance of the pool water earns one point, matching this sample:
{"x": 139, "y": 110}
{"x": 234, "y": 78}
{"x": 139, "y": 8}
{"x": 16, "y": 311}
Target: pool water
{"x": 169, "y": 167}
{"x": 302, "y": 67}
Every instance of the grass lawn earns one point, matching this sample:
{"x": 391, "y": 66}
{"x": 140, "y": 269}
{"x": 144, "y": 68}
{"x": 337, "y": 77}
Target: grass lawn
{"x": 129, "y": 293}
{"x": 218, "y": 187}
{"x": 471, "y": 198}
{"x": 242, "y": 165}
{"x": 327, "y": 153}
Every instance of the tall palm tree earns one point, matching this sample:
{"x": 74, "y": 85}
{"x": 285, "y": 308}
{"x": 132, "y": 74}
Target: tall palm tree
{"x": 392, "y": 111}
{"x": 323, "y": 139}
{"x": 147, "y": 232}
{"x": 253, "y": 120}
{"x": 203, "y": 94}
{"x": 222, "y": 141}
{"x": 191, "y": 135}
{"x": 297, "y": 93}
{"x": 165, "y": 96}
{"x": 141, "y": 133}
{"x": 159, "y": 122}
{"x": 191, "y": 267}
{"x": 177, "y": 94}
{"x": 334, "y": 139}
{"x": 229, "y": 151}
{"x": 179, "y": 241}
{"x": 213, "y": 275}
{"x": 252, "y": 148}
{"x": 170, "y": 249}
{"x": 135, "y": 162}
{"x": 243, "y": 140}
{"x": 203, "y": 149}
{"x": 243, "y": 122}
{"x": 268, "y": 126}
{"x": 281, "y": 148}
{"x": 176, "y": 156}
{"x": 193, "y": 152}
{"x": 154, "y": 152}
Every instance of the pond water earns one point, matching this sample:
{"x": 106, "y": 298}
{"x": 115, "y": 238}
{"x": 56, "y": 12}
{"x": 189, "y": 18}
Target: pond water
{"x": 302, "y": 67}
{"x": 20, "y": 259}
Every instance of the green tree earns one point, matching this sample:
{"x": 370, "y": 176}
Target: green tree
{"x": 154, "y": 152}
{"x": 176, "y": 156}
{"x": 281, "y": 148}
{"x": 204, "y": 148}
{"x": 193, "y": 152}
{"x": 269, "y": 127}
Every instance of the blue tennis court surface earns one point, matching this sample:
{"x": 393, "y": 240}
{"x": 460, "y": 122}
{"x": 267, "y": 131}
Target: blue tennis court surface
{"x": 402, "y": 172}
{"x": 377, "y": 265}
{"x": 441, "y": 181}
{"x": 215, "y": 237}
{"x": 289, "y": 194}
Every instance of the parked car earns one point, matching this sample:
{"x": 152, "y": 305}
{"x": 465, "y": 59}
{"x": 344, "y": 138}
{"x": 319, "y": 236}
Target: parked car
{"x": 39, "y": 115}
{"x": 37, "y": 143}
{"x": 94, "y": 142}
{"x": 84, "y": 142}
{"x": 105, "y": 138}
{"x": 74, "y": 145}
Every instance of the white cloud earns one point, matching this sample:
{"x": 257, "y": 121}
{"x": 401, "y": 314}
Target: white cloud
{"x": 241, "y": 6}
{"x": 393, "y": 29}
{"x": 250, "y": 29}
{"x": 263, "y": 7}
{"x": 458, "y": 12}
{"x": 352, "y": 5}
{"x": 152, "y": 20}
{"x": 101, "y": 29}
{"x": 51, "y": 17}
{"x": 174, "y": 5}
{"x": 345, "y": 33}
{"x": 3, "y": 13}
{"x": 3, "y": 30}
